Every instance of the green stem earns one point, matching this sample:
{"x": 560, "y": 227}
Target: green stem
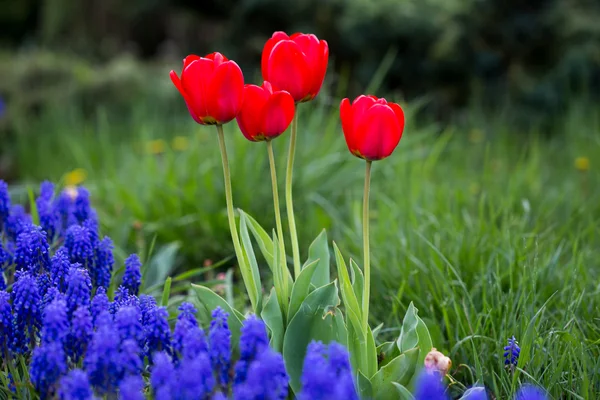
{"x": 245, "y": 270}
{"x": 289, "y": 204}
{"x": 367, "y": 259}
{"x": 284, "y": 272}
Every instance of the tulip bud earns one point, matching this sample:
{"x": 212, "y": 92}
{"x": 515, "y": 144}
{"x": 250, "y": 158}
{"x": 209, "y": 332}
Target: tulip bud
{"x": 296, "y": 64}
{"x": 372, "y": 127}
{"x": 436, "y": 361}
{"x": 212, "y": 88}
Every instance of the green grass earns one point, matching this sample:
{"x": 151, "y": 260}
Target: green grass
{"x": 490, "y": 232}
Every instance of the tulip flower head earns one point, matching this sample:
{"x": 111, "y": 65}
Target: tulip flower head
{"x": 372, "y": 126}
{"x": 296, "y": 64}
{"x": 212, "y": 88}
{"x": 266, "y": 112}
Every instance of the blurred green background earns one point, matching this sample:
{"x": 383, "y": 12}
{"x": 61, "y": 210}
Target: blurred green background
{"x": 486, "y": 216}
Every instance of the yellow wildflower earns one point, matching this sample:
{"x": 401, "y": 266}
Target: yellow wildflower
{"x": 157, "y": 146}
{"x": 180, "y": 143}
{"x": 582, "y": 163}
{"x": 75, "y": 177}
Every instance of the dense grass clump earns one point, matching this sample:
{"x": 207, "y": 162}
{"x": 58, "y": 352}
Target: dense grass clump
{"x": 491, "y": 233}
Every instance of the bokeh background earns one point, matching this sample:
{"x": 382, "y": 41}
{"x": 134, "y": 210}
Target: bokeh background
{"x": 489, "y": 207}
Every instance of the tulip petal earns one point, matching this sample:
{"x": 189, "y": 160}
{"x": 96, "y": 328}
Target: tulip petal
{"x": 346, "y": 116}
{"x": 316, "y": 54}
{"x": 378, "y": 133}
{"x": 267, "y": 49}
{"x": 195, "y": 79}
{"x": 278, "y": 114}
{"x": 399, "y": 115}
{"x": 287, "y": 69}
{"x": 188, "y": 60}
{"x": 225, "y": 92}
{"x": 359, "y": 107}
{"x": 249, "y": 117}
{"x": 177, "y": 82}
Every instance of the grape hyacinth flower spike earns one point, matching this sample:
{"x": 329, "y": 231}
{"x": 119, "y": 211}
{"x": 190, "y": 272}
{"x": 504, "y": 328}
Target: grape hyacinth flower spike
{"x": 511, "y": 353}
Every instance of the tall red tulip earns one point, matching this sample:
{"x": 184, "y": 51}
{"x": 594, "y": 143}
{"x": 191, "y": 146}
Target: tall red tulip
{"x": 212, "y": 87}
{"x": 296, "y": 64}
{"x": 266, "y": 113}
{"x": 372, "y": 127}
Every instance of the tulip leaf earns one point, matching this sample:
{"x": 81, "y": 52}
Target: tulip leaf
{"x": 357, "y": 282}
{"x": 399, "y": 370}
{"x": 363, "y": 353}
{"x": 414, "y": 334}
{"x": 265, "y": 243}
{"x": 208, "y": 301}
{"x": 353, "y": 309}
{"x": 317, "y": 319}
{"x": 403, "y": 392}
{"x": 319, "y": 250}
{"x": 365, "y": 390}
{"x": 271, "y": 315}
{"x": 250, "y": 257}
{"x": 387, "y": 352}
{"x": 376, "y": 330}
{"x": 301, "y": 288}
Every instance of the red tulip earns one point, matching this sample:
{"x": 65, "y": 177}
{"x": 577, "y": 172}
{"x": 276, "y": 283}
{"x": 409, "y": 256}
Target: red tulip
{"x": 212, "y": 88}
{"x": 372, "y": 127}
{"x": 266, "y": 113}
{"x": 295, "y": 63}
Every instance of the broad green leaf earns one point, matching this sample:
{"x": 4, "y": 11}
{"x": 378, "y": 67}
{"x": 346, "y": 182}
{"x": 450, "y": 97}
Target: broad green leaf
{"x": 209, "y": 300}
{"x": 387, "y": 352}
{"x": 403, "y": 392}
{"x": 265, "y": 243}
{"x": 414, "y": 334}
{"x": 248, "y": 253}
{"x": 350, "y": 302}
{"x": 319, "y": 250}
{"x": 317, "y": 319}
{"x": 357, "y": 282}
{"x": 399, "y": 370}
{"x": 365, "y": 391}
{"x": 161, "y": 265}
{"x": 271, "y": 314}
{"x": 301, "y": 288}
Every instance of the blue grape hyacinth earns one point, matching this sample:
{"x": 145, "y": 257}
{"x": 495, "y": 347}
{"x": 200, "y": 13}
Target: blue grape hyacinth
{"x": 132, "y": 279}
{"x": 511, "y": 353}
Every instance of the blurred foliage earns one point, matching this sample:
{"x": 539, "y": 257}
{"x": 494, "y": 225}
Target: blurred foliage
{"x": 529, "y": 56}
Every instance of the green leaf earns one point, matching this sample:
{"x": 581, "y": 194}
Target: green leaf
{"x": 376, "y": 330}
{"x": 209, "y": 300}
{"x": 403, "y": 392}
{"x": 248, "y": 251}
{"x": 357, "y": 281}
{"x": 353, "y": 309}
{"x": 265, "y": 243}
{"x": 281, "y": 286}
{"x": 301, "y": 288}
{"x": 399, "y": 370}
{"x": 317, "y": 319}
{"x": 365, "y": 391}
{"x": 319, "y": 250}
{"x": 33, "y": 208}
{"x": 363, "y": 355}
{"x": 161, "y": 265}
{"x": 414, "y": 334}
{"x": 271, "y": 314}
{"x": 166, "y": 292}
{"x": 387, "y": 352}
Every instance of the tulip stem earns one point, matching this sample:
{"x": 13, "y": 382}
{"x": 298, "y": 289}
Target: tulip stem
{"x": 283, "y": 263}
{"x": 244, "y": 269}
{"x": 289, "y": 204}
{"x": 367, "y": 257}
